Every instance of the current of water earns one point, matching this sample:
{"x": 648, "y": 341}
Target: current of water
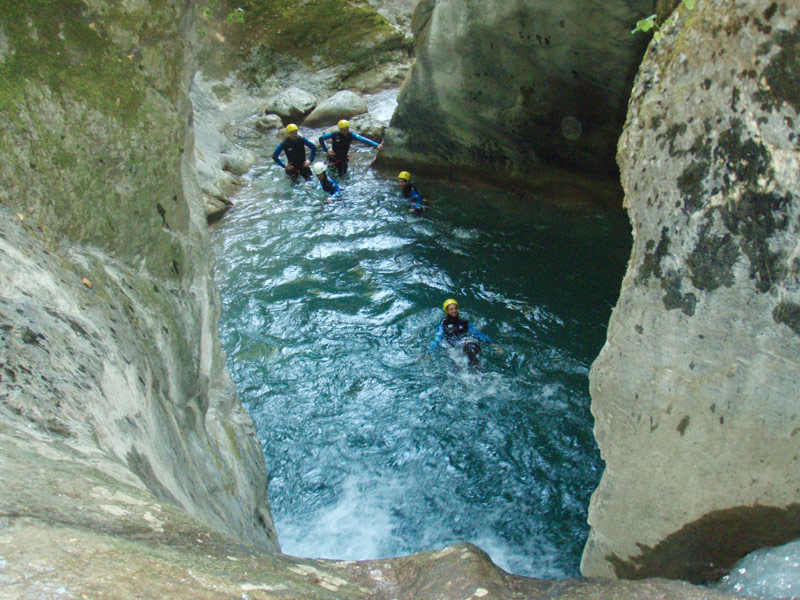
{"x": 374, "y": 449}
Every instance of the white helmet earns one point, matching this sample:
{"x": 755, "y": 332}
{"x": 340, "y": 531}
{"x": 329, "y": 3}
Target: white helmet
{"x": 318, "y": 168}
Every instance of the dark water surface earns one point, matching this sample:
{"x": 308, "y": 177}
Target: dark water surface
{"x": 374, "y": 450}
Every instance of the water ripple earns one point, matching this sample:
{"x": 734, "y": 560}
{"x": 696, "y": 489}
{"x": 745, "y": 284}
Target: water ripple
{"x": 376, "y": 449}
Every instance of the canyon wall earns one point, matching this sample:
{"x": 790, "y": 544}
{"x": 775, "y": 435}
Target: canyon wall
{"x": 518, "y": 90}
{"x": 108, "y": 308}
{"x": 695, "y": 392}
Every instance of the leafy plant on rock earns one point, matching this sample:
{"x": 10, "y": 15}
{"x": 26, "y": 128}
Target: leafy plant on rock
{"x": 650, "y": 24}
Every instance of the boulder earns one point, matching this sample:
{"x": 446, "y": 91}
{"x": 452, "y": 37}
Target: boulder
{"x": 291, "y": 105}
{"x": 268, "y": 123}
{"x": 368, "y": 126}
{"x": 517, "y": 87}
{"x": 695, "y": 392}
{"x": 342, "y": 105}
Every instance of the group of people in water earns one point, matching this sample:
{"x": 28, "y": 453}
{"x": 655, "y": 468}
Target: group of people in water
{"x": 338, "y": 156}
{"x": 452, "y": 330}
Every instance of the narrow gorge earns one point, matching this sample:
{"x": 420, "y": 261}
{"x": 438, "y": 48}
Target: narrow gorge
{"x": 128, "y": 465}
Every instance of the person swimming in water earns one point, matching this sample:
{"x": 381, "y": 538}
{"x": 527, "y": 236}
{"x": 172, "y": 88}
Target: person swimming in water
{"x": 328, "y": 184}
{"x": 411, "y": 193}
{"x": 458, "y": 332}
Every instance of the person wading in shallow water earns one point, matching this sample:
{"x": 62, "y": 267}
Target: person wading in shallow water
{"x": 338, "y": 156}
{"x": 326, "y": 183}
{"x": 295, "y": 148}
{"x": 456, "y": 332}
{"x": 411, "y": 193}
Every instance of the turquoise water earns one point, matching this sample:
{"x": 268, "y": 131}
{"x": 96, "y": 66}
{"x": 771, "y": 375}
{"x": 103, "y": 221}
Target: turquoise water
{"x": 374, "y": 449}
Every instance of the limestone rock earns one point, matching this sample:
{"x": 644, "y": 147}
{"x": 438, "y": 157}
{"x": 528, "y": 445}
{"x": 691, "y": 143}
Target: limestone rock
{"x": 518, "y": 87}
{"x": 342, "y": 105}
{"x": 695, "y": 392}
{"x": 268, "y": 123}
{"x": 368, "y": 126}
{"x": 129, "y": 468}
{"x": 219, "y": 161}
{"x": 291, "y": 105}
{"x": 113, "y": 376}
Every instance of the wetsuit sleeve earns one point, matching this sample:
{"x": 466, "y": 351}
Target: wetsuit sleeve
{"x": 416, "y": 198}
{"x": 479, "y": 334}
{"x": 310, "y": 144}
{"x": 276, "y": 155}
{"x": 437, "y": 339}
{"x": 323, "y": 137}
{"x": 336, "y": 188}
{"x": 361, "y": 138}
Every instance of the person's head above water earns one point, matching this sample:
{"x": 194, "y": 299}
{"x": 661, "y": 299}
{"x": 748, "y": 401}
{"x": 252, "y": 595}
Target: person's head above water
{"x": 319, "y": 169}
{"x": 450, "y": 307}
{"x": 403, "y": 178}
{"x": 344, "y": 125}
{"x": 291, "y": 130}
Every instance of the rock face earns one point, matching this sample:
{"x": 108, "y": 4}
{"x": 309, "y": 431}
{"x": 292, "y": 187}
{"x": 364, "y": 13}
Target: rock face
{"x": 108, "y": 312}
{"x": 291, "y": 105}
{"x": 695, "y": 392}
{"x": 517, "y": 88}
{"x": 342, "y": 105}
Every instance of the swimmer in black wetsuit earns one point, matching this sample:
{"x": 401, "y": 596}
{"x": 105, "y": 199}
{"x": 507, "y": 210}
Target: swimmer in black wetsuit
{"x": 458, "y": 332}
{"x": 411, "y": 193}
{"x": 340, "y": 146}
{"x": 295, "y": 148}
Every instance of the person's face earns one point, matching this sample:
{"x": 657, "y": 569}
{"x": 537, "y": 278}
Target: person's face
{"x": 321, "y": 176}
{"x": 402, "y": 183}
{"x": 293, "y": 135}
{"x": 345, "y": 130}
{"x": 452, "y": 310}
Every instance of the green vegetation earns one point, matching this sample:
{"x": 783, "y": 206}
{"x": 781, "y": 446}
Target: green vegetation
{"x": 234, "y": 16}
{"x": 322, "y": 32}
{"x": 70, "y": 55}
{"x": 650, "y": 24}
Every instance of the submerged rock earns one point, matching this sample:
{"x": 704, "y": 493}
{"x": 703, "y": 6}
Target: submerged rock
{"x": 695, "y": 392}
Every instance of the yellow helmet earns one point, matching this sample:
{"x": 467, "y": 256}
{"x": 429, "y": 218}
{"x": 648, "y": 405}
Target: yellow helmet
{"x": 343, "y": 124}
{"x": 407, "y": 177}
{"x": 447, "y": 303}
{"x": 291, "y": 127}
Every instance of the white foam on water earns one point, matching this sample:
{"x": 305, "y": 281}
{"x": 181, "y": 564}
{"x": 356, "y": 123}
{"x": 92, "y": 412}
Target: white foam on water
{"x": 357, "y": 527}
{"x": 512, "y": 560}
{"x": 766, "y": 573}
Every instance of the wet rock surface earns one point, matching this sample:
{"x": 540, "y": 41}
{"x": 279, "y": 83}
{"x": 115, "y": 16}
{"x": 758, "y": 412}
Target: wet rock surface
{"x": 694, "y": 394}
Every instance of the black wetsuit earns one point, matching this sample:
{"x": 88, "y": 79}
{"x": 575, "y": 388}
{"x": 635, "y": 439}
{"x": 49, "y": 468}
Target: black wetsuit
{"x": 340, "y": 144}
{"x": 329, "y": 185}
{"x": 295, "y": 150}
{"x": 457, "y": 331}
{"x": 410, "y": 192}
